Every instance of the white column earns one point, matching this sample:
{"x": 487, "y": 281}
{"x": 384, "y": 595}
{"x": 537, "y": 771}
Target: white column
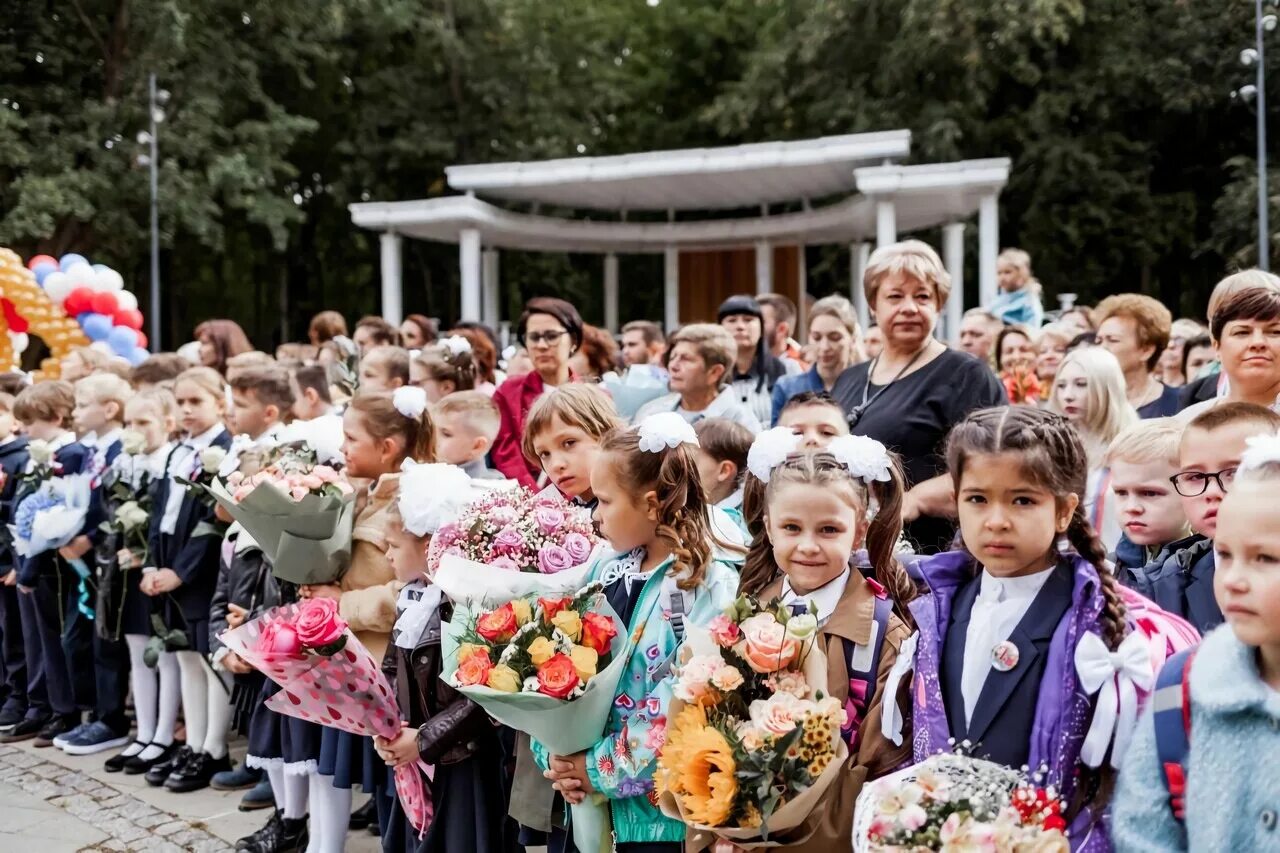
{"x": 886, "y": 222}
{"x": 801, "y": 331}
{"x": 988, "y": 248}
{"x": 489, "y": 281}
{"x": 611, "y": 292}
{"x": 764, "y": 267}
{"x": 469, "y": 264}
{"x": 392, "y": 286}
{"x": 859, "y": 254}
{"x": 953, "y": 257}
{"x": 671, "y": 289}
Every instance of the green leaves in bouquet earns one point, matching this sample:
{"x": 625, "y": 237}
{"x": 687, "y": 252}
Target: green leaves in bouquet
{"x": 758, "y": 768}
{"x": 164, "y": 639}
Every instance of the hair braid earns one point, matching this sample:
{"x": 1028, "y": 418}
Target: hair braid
{"x": 1082, "y": 537}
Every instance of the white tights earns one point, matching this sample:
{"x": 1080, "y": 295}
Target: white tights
{"x": 206, "y": 704}
{"x": 155, "y": 696}
{"x": 290, "y": 790}
{"x": 330, "y": 815}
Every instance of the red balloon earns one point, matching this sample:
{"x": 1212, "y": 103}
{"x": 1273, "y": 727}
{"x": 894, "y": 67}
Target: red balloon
{"x": 130, "y": 317}
{"x": 79, "y": 301}
{"x": 31, "y": 264}
{"x": 142, "y": 339}
{"x": 104, "y": 303}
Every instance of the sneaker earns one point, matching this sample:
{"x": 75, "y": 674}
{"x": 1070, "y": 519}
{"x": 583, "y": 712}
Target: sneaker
{"x": 116, "y": 763}
{"x": 260, "y": 796}
{"x": 280, "y": 835}
{"x": 10, "y": 716}
{"x": 61, "y": 740}
{"x": 96, "y": 737}
{"x": 159, "y": 772}
{"x": 237, "y": 779}
{"x": 196, "y": 774}
{"x": 25, "y": 730}
{"x": 55, "y": 727}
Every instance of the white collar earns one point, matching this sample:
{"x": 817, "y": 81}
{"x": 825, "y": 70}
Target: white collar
{"x": 62, "y": 440}
{"x": 107, "y": 440}
{"x": 157, "y": 458}
{"x": 826, "y": 597}
{"x": 417, "y": 603}
{"x": 1024, "y": 588}
{"x": 734, "y": 501}
{"x": 204, "y": 439}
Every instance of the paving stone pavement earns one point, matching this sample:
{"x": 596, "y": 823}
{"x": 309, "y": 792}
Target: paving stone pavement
{"x": 51, "y": 802}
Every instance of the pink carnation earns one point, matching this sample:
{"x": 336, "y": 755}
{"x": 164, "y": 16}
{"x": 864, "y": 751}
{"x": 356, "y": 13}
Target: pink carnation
{"x": 724, "y": 631}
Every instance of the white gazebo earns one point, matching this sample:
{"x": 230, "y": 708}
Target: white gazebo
{"x": 846, "y": 190}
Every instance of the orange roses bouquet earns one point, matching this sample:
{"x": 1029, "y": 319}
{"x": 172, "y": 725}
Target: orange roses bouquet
{"x": 753, "y": 742}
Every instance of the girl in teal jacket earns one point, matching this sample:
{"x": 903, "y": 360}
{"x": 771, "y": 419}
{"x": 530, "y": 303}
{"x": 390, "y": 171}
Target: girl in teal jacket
{"x": 664, "y": 577}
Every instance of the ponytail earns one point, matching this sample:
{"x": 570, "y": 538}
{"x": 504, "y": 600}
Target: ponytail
{"x": 383, "y": 420}
{"x": 883, "y": 535}
{"x": 760, "y": 568}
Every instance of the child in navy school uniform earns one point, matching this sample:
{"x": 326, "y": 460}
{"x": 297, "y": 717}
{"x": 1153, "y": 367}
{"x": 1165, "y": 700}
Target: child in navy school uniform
{"x": 13, "y": 462}
{"x": 818, "y": 509}
{"x": 184, "y": 541}
{"x": 99, "y": 420}
{"x": 49, "y": 600}
{"x": 445, "y": 730}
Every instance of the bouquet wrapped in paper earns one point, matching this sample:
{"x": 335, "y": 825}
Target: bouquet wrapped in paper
{"x": 298, "y": 510}
{"x": 328, "y": 677}
{"x": 548, "y": 667}
{"x": 639, "y": 385}
{"x": 52, "y": 515}
{"x": 752, "y": 741}
{"x": 957, "y": 802}
{"x": 513, "y": 544}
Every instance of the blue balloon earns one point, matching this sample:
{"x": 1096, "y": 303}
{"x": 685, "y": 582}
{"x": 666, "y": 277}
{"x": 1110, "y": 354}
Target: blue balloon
{"x": 42, "y": 271}
{"x": 82, "y": 316}
{"x": 66, "y": 261}
{"x": 137, "y": 355}
{"x": 122, "y": 339}
{"x": 97, "y": 326}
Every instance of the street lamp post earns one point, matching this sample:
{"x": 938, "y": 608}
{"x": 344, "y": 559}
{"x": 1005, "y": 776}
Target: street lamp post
{"x": 1256, "y": 57}
{"x": 151, "y": 158}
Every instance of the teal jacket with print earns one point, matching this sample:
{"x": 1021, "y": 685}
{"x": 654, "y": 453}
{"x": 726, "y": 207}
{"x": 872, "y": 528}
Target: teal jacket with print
{"x": 621, "y": 764}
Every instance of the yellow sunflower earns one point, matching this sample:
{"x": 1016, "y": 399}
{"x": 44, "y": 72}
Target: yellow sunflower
{"x": 691, "y": 720}
{"x": 707, "y": 778}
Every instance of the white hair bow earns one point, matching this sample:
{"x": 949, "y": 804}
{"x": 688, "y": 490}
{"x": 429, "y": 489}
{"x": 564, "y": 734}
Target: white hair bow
{"x": 1116, "y": 677}
{"x": 770, "y": 449}
{"x": 665, "y": 430}
{"x": 456, "y": 345}
{"x": 410, "y": 401}
{"x": 1262, "y": 450}
{"x": 866, "y": 458}
{"x": 431, "y": 495}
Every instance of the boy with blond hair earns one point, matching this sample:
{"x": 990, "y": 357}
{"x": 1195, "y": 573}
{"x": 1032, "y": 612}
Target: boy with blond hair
{"x": 466, "y": 424}
{"x": 1143, "y": 460}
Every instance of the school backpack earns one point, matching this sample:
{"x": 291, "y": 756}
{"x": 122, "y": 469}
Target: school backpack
{"x": 1171, "y": 711}
{"x": 863, "y": 662}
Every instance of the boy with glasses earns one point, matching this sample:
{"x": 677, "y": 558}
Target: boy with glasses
{"x": 1180, "y": 578}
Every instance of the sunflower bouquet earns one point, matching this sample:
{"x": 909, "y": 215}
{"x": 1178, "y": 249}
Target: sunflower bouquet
{"x": 546, "y": 666}
{"x": 753, "y": 741}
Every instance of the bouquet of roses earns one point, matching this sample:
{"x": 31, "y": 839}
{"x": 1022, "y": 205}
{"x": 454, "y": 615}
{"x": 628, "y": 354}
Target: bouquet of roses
{"x": 548, "y": 667}
{"x": 52, "y": 515}
{"x": 753, "y": 743}
{"x": 328, "y": 677}
{"x": 959, "y": 803}
{"x": 511, "y": 544}
{"x": 299, "y": 511}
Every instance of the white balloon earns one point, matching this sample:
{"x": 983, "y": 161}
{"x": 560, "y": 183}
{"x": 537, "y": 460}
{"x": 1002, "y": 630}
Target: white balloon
{"x": 126, "y": 300}
{"x": 57, "y": 285}
{"x": 19, "y": 341}
{"x": 109, "y": 280}
{"x": 82, "y": 275}
{"x": 102, "y": 347}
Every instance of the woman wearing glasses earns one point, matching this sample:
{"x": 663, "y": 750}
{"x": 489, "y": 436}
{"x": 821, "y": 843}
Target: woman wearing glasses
{"x": 1090, "y": 392}
{"x": 551, "y": 331}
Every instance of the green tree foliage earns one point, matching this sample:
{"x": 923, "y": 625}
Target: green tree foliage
{"x": 1132, "y": 167}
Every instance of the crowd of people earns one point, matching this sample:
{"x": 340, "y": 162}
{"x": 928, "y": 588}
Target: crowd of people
{"x": 961, "y": 521}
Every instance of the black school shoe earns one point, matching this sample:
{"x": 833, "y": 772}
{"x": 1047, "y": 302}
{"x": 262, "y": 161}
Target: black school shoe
{"x": 25, "y": 730}
{"x": 364, "y": 817}
{"x": 160, "y": 770}
{"x": 137, "y": 765}
{"x": 280, "y": 835}
{"x": 116, "y": 763}
{"x": 197, "y": 773}
{"x": 10, "y": 716}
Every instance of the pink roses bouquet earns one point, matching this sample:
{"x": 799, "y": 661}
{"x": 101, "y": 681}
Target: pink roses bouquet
{"x": 512, "y": 544}
{"x": 327, "y": 677}
{"x": 753, "y": 741}
{"x": 295, "y": 481}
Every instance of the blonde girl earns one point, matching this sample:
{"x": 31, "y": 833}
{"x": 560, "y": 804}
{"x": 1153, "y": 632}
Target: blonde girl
{"x": 820, "y": 508}
{"x": 664, "y": 576}
{"x": 150, "y": 419}
{"x": 381, "y": 431}
{"x": 184, "y": 544}
{"x": 1090, "y": 393}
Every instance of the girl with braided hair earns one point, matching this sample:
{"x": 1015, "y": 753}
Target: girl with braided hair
{"x": 664, "y": 576}
{"x": 819, "y": 509}
{"x": 1024, "y": 654}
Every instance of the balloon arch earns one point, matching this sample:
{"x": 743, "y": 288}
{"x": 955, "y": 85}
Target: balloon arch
{"x": 67, "y": 303}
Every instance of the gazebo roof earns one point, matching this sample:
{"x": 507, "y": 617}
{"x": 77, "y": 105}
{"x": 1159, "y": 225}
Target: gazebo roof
{"x": 737, "y": 176}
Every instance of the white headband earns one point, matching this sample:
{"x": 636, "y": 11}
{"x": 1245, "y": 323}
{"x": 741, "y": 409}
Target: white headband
{"x": 665, "y": 430}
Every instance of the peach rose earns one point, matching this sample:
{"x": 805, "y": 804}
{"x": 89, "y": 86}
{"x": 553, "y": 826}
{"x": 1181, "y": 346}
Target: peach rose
{"x": 765, "y": 645}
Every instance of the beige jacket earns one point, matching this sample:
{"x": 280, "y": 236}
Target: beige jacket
{"x": 369, "y": 587}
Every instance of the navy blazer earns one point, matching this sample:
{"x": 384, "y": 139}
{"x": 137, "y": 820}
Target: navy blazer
{"x": 1005, "y": 712}
{"x": 74, "y": 459}
{"x": 98, "y": 510}
{"x": 13, "y": 462}
{"x": 195, "y": 559}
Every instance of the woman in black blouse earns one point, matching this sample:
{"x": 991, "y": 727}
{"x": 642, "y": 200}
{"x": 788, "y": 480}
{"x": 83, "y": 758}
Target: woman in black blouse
{"x": 916, "y": 390}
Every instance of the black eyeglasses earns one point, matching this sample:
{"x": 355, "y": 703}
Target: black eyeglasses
{"x": 1193, "y": 484}
{"x": 548, "y": 338}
